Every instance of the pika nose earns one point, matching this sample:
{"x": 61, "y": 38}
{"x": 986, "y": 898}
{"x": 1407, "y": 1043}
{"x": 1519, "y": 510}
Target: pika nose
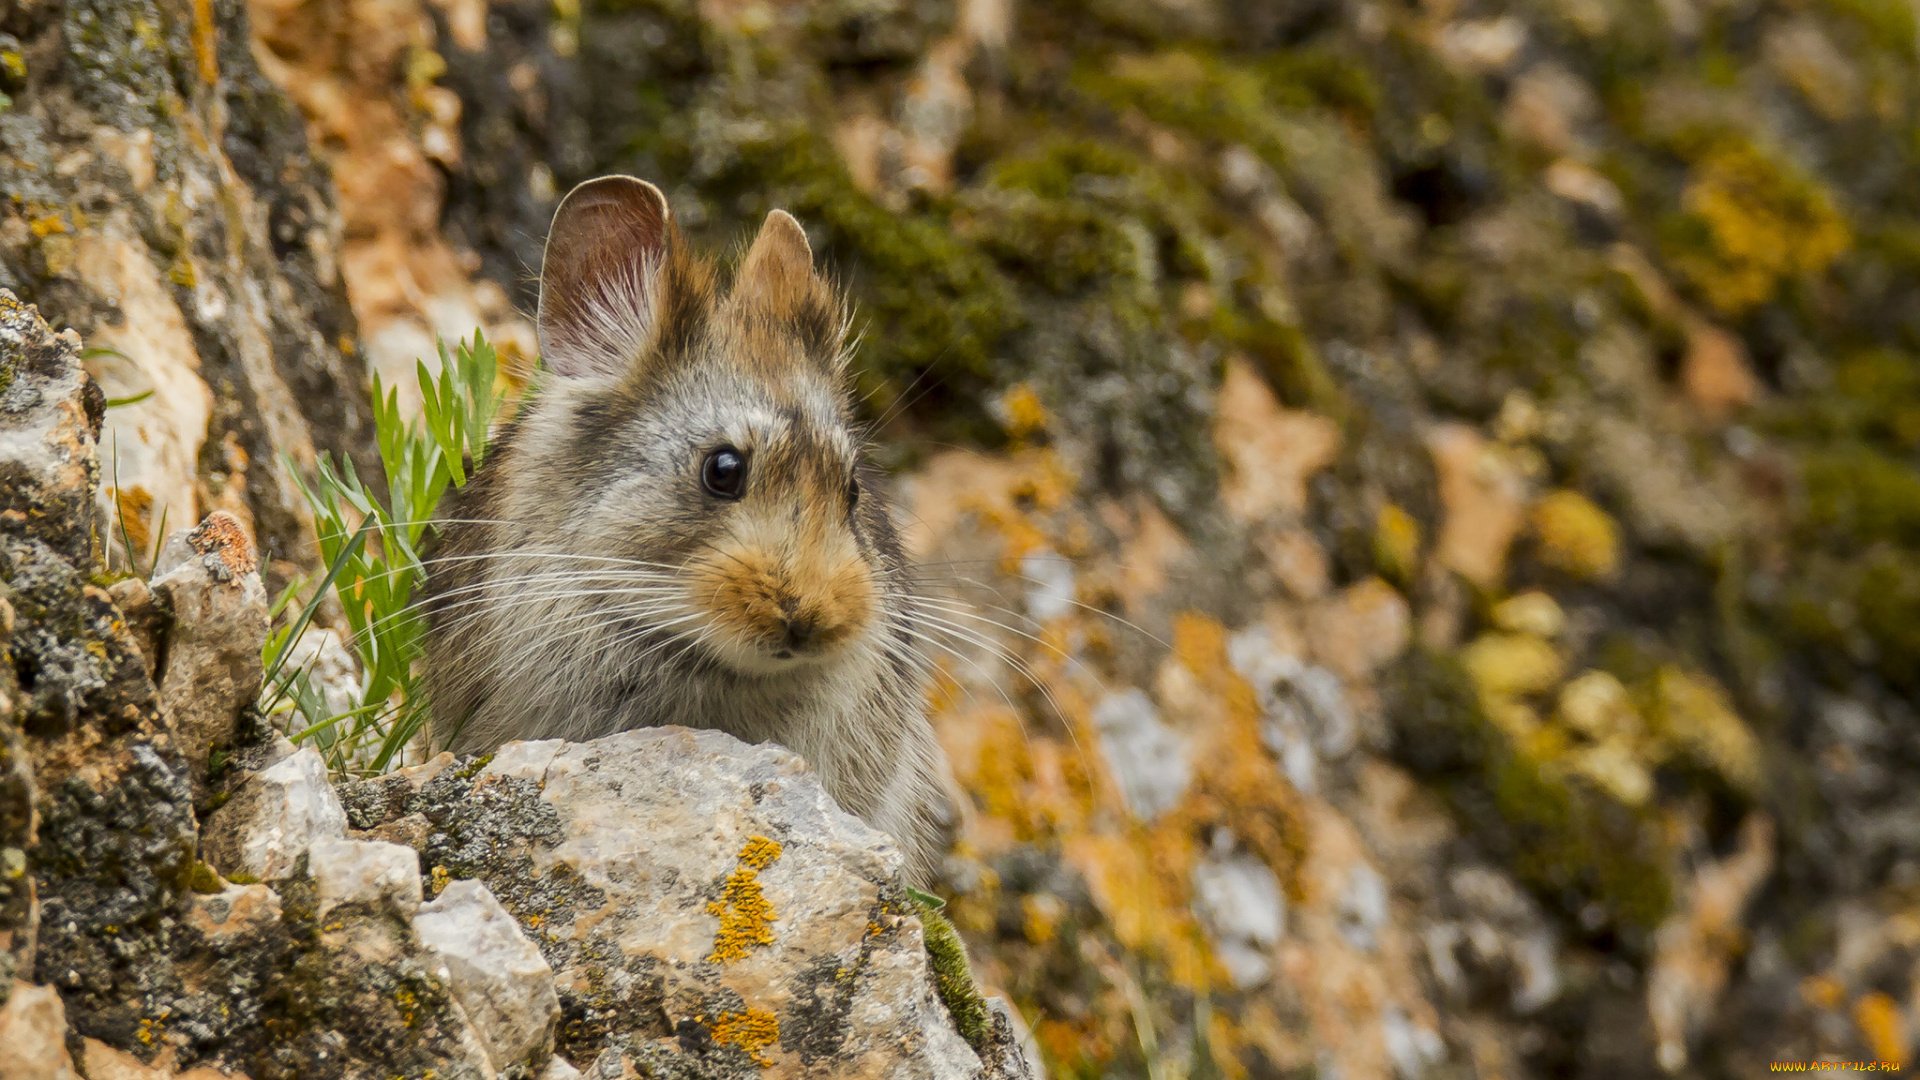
{"x": 800, "y": 629}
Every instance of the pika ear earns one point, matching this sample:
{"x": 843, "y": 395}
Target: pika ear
{"x": 777, "y": 279}
{"x": 600, "y": 279}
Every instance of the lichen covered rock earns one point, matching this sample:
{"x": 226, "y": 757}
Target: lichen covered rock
{"x": 704, "y": 907}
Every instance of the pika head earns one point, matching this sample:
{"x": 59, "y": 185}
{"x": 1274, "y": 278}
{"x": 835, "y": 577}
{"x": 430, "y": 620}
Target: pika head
{"x": 700, "y": 441}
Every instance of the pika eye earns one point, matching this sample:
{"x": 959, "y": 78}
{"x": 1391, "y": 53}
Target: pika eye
{"x": 724, "y": 473}
{"x": 853, "y": 493}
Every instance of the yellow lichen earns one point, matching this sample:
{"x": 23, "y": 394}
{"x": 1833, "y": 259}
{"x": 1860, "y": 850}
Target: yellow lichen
{"x": 752, "y": 1030}
{"x": 1504, "y": 665}
{"x": 1597, "y": 706}
{"x": 1533, "y": 613}
{"x": 1692, "y": 714}
{"x": 1752, "y": 223}
{"x": 1576, "y": 537}
{"x": 1396, "y": 543}
{"x": 744, "y": 914}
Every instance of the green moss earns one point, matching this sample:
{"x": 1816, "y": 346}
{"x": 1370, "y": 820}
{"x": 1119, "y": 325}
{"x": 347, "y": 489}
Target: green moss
{"x": 1858, "y": 496}
{"x": 473, "y": 768}
{"x": 1890, "y": 24}
{"x": 953, "y": 978}
{"x": 1570, "y": 839}
{"x": 203, "y": 879}
{"x": 1563, "y": 837}
{"x": 926, "y": 297}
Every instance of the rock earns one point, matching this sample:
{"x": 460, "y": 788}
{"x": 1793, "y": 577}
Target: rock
{"x": 381, "y": 800}
{"x": 1360, "y": 629}
{"x": 186, "y": 229}
{"x": 50, "y": 414}
{"x": 1483, "y": 45}
{"x": 1240, "y": 901}
{"x": 1497, "y": 943}
{"x": 33, "y": 1034}
{"x": 1271, "y": 452}
{"x": 498, "y": 976}
{"x": 103, "y": 1062}
{"x": 1715, "y": 372}
{"x": 1050, "y": 585}
{"x": 330, "y": 668}
{"x": 705, "y": 907}
{"x": 19, "y": 910}
{"x": 1150, "y": 761}
{"x": 364, "y": 872}
{"x": 234, "y": 914}
{"x": 1484, "y": 500}
{"x": 1513, "y": 664}
{"x": 209, "y": 578}
{"x": 1694, "y": 946}
{"x": 1363, "y": 907}
{"x": 1692, "y": 712}
{"x": 274, "y": 818}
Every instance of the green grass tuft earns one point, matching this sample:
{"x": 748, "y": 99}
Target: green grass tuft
{"x": 371, "y": 546}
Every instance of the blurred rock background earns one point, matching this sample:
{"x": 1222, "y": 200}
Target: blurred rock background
{"x": 1445, "y": 472}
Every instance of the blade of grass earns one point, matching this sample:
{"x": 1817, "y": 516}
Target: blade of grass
{"x": 313, "y": 605}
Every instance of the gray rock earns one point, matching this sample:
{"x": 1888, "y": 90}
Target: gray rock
{"x": 1149, "y": 759}
{"x": 50, "y": 414}
{"x": 364, "y": 872}
{"x": 683, "y": 884}
{"x": 497, "y": 974}
{"x": 1240, "y": 901}
{"x": 274, "y": 818}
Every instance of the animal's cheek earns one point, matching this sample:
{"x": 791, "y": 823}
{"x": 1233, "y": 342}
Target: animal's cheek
{"x": 848, "y": 603}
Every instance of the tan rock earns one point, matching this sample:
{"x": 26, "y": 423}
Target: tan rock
{"x": 1483, "y": 501}
{"x": 1717, "y": 377}
{"x": 103, "y": 1062}
{"x": 1360, "y": 628}
{"x": 1299, "y": 562}
{"x": 150, "y": 449}
{"x": 1696, "y": 946}
{"x": 1270, "y": 451}
{"x": 33, "y": 1033}
{"x": 663, "y": 863}
{"x": 209, "y": 577}
{"x": 352, "y": 69}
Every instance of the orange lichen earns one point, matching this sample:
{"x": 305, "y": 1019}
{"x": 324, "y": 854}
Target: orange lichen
{"x": 1025, "y": 415}
{"x": 223, "y": 535}
{"x": 752, "y": 1030}
{"x": 1880, "y": 1021}
{"x": 744, "y": 914}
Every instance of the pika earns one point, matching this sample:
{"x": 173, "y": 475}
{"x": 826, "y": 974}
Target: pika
{"x": 682, "y": 526}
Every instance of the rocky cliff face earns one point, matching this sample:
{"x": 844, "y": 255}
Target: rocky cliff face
{"x": 1443, "y": 475}
{"x": 184, "y": 892}
{"x": 161, "y": 201}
